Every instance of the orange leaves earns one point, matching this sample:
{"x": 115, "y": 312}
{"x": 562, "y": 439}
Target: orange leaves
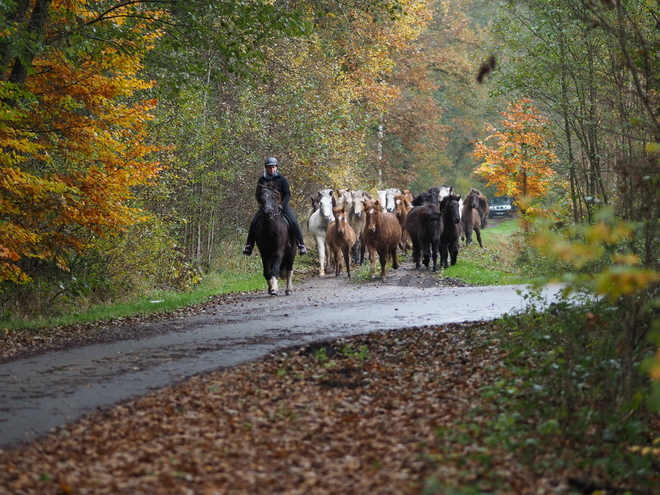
{"x": 74, "y": 141}
{"x": 520, "y": 161}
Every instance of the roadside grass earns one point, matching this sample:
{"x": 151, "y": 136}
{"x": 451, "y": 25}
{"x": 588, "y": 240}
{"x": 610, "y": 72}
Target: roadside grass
{"x": 495, "y": 263}
{"x": 232, "y": 273}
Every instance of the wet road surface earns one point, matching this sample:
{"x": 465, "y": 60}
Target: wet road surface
{"x": 41, "y": 392}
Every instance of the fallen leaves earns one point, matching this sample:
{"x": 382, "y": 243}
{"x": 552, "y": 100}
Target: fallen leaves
{"x": 353, "y": 422}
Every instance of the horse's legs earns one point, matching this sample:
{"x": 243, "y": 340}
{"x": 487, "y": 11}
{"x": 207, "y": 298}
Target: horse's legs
{"x": 383, "y": 262}
{"x": 478, "y": 232}
{"x": 443, "y": 254}
{"x": 416, "y": 254}
{"x": 355, "y": 251}
{"x": 427, "y": 254}
{"x": 434, "y": 254}
{"x": 395, "y": 259}
{"x": 289, "y": 284}
{"x": 372, "y": 261}
{"x": 363, "y": 248}
{"x": 347, "y": 260}
{"x": 320, "y": 244}
{"x": 453, "y": 251}
{"x": 272, "y": 285}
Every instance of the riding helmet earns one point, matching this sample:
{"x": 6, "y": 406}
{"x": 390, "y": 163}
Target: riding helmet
{"x": 271, "y": 161}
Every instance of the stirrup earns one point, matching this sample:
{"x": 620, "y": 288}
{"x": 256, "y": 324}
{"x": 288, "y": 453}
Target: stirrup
{"x": 302, "y": 249}
{"x": 247, "y": 250}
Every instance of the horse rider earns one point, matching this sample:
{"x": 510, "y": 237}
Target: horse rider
{"x": 272, "y": 175}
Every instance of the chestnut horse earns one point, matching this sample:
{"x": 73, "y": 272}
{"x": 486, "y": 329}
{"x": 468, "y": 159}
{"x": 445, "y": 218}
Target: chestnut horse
{"x": 274, "y": 239}
{"x": 382, "y": 234}
{"x": 451, "y": 219}
{"x": 341, "y": 238}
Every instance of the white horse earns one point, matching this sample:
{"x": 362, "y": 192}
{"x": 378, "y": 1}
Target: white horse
{"x": 386, "y": 199}
{"x": 318, "y": 222}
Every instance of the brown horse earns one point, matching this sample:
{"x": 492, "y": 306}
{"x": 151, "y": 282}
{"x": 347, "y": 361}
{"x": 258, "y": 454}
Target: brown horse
{"x": 341, "y": 238}
{"x": 470, "y": 218}
{"x": 482, "y": 207}
{"x": 401, "y": 208}
{"x": 382, "y": 234}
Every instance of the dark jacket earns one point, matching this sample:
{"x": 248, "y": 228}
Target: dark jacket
{"x": 281, "y": 184}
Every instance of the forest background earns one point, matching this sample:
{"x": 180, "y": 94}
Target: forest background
{"x": 133, "y": 132}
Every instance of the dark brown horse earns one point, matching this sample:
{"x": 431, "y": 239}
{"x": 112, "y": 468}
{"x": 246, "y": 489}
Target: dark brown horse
{"x": 382, "y": 234}
{"x": 482, "y": 207}
{"x": 451, "y": 219}
{"x": 275, "y": 240}
{"x": 424, "y": 224}
{"x": 470, "y": 218}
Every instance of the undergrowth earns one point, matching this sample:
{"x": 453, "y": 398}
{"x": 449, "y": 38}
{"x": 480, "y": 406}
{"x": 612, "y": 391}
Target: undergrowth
{"x": 567, "y": 401}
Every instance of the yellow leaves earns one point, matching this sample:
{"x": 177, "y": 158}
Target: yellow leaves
{"x": 654, "y": 372}
{"x": 623, "y": 280}
{"x": 520, "y": 162}
{"x": 648, "y": 450}
{"x": 86, "y": 147}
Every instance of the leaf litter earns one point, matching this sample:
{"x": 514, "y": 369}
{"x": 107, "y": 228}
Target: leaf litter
{"x": 359, "y": 415}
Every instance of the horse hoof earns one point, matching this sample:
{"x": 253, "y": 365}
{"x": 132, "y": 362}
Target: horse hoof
{"x": 272, "y": 292}
{"x": 288, "y": 292}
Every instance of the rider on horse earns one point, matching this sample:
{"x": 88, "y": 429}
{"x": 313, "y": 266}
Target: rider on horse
{"x": 271, "y": 175}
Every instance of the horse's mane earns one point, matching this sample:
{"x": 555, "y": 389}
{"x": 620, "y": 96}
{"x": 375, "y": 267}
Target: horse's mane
{"x": 268, "y": 185}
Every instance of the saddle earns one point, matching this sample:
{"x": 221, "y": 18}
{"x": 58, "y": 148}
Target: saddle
{"x": 289, "y": 225}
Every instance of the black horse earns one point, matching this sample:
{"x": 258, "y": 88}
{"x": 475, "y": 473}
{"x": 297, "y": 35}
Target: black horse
{"x": 424, "y": 224}
{"x": 275, "y": 240}
{"x": 451, "y": 219}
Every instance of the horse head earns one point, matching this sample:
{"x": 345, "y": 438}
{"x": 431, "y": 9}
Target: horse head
{"x": 390, "y": 202}
{"x": 326, "y": 203}
{"x": 357, "y": 201}
{"x": 450, "y": 208}
{"x": 269, "y": 199}
{"x": 473, "y": 198}
{"x": 402, "y": 205}
{"x": 371, "y": 211}
{"x": 340, "y": 218}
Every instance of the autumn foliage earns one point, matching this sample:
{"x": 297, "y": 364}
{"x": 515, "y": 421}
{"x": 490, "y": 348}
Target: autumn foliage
{"x": 519, "y": 162}
{"x": 73, "y": 130}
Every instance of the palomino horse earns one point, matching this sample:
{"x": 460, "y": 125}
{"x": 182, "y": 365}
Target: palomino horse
{"x": 470, "y": 218}
{"x": 341, "y": 238}
{"x": 425, "y": 226}
{"x": 382, "y": 234}
{"x": 451, "y": 219}
{"x": 353, "y": 203}
{"x": 318, "y": 222}
{"x": 275, "y": 240}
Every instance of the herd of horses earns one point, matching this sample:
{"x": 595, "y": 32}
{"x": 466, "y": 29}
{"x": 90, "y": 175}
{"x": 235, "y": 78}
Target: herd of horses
{"x": 347, "y": 225}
